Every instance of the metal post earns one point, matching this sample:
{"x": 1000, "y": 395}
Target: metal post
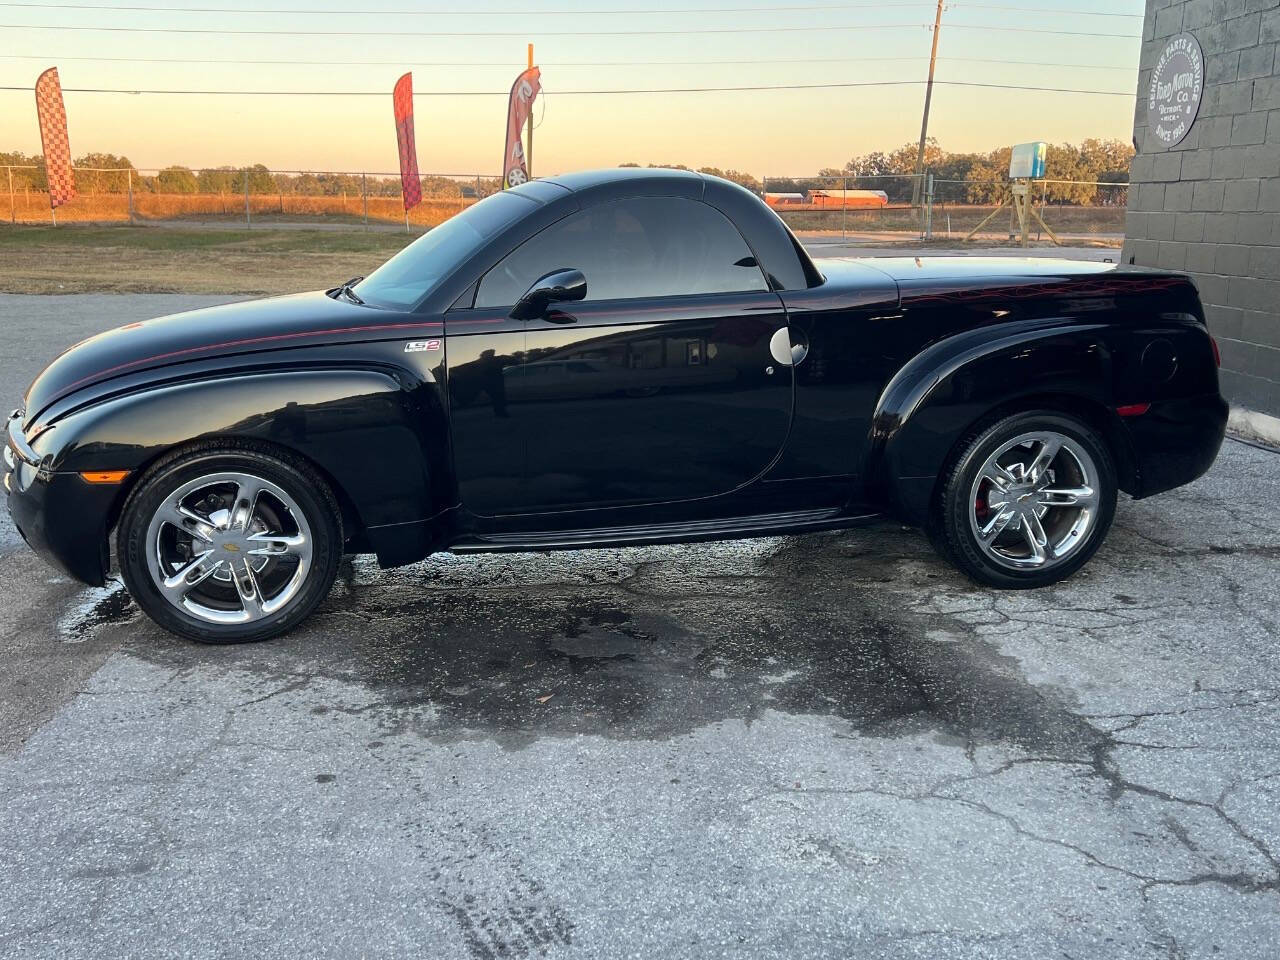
{"x": 528, "y": 154}
{"x": 248, "y": 223}
{"x": 13, "y": 204}
{"x": 1044, "y": 198}
{"x": 844, "y": 209}
{"x": 364, "y": 193}
{"x": 129, "y": 202}
{"x": 928, "y": 199}
{"x": 928, "y": 99}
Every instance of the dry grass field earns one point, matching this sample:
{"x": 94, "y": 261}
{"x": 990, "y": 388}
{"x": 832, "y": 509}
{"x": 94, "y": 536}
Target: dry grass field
{"x": 33, "y": 208}
{"x": 193, "y": 259}
{"x": 123, "y": 259}
{"x": 961, "y": 217}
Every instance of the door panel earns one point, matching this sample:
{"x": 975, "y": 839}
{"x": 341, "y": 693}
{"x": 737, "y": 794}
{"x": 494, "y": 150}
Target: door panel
{"x": 488, "y": 438}
{"x": 659, "y": 387}
{"x": 635, "y": 402}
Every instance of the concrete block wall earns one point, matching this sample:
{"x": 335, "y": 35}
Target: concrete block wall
{"x": 1210, "y": 206}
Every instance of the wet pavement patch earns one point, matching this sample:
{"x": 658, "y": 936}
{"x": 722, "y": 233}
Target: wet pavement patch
{"x": 95, "y": 608}
{"x": 815, "y": 626}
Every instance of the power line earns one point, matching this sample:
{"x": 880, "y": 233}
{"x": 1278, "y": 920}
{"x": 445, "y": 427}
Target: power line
{"x": 457, "y": 11}
{"x": 52, "y": 58}
{"x": 1023, "y": 10}
{"x": 826, "y": 28}
{"x": 801, "y": 8}
{"x": 585, "y": 93}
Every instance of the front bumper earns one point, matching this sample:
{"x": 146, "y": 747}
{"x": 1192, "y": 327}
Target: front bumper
{"x": 59, "y": 515}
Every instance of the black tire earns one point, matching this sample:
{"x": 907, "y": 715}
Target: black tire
{"x": 950, "y": 525}
{"x": 308, "y": 491}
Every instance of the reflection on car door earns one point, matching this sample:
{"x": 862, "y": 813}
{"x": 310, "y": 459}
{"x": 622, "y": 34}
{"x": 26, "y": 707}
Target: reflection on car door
{"x": 657, "y": 401}
{"x": 660, "y": 386}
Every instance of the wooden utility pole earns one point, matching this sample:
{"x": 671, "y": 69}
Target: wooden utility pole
{"x": 528, "y": 154}
{"x": 928, "y": 99}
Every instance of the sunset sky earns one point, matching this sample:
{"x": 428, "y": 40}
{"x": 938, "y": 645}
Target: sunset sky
{"x": 774, "y": 132}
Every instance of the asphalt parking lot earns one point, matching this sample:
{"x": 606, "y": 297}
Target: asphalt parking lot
{"x": 830, "y": 745}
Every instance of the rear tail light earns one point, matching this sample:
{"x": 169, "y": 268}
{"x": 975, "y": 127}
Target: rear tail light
{"x": 1133, "y": 409}
{"x": 1217, "y": 354}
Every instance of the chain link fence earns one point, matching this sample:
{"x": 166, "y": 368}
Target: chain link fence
{"x": 877, "y": 209}
{"x": 844, "y": 206}
{"x": 845, "y": 209}
{"x": 250, "y": 195}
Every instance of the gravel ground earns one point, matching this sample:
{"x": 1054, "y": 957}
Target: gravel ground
{"x": 829, "y": 745}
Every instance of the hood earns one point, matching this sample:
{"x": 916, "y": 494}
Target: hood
{"x": 234, "y": 328}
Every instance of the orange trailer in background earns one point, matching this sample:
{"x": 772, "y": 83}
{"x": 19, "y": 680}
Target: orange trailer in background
{"x": 785, "y": 199}
{"x": 849, "y": 199}
{"x": 829, "y": 200}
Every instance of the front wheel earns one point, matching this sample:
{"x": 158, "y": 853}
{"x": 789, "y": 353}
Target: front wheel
{"x": 1026, "y": 501}
{"x": 229, "y": 546}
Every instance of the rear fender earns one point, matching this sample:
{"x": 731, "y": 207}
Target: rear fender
{"x": 938, "y": 396}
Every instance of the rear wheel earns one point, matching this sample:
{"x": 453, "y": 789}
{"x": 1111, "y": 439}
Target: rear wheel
{"x": 1027, "y": 500}
{"x": 229, "y": 546}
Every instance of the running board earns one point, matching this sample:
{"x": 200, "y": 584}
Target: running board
{"x": 760, "y": 525}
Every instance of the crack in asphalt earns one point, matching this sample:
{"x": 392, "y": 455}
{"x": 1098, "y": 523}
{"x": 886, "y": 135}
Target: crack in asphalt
{"x": 865, "y": 628}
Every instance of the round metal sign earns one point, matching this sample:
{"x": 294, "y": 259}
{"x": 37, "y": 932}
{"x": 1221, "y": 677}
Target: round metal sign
{"x": 1177, "y": 86}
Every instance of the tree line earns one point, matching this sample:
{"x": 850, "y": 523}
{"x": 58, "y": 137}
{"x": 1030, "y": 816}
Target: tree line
{"x": 980, "y": 178}
{"x": 108, "y": 173}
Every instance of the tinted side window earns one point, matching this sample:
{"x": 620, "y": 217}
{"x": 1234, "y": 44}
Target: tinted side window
{"x": 643, "y": 247}
{"x": 407, "y": 277}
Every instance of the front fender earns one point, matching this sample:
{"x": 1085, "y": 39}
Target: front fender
{"x": 945, "y": 389}
{"x": 379, "y": 439}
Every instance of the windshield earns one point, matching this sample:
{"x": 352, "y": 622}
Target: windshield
{"x": 414, "y": 272}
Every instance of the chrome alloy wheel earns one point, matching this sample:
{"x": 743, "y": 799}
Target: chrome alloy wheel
{"x": 1035, "y": 501}
{"x": 229, "y": 548}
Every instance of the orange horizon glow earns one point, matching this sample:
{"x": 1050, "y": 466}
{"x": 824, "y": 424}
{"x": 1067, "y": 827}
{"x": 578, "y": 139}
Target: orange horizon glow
{"x": 775, "y": 133}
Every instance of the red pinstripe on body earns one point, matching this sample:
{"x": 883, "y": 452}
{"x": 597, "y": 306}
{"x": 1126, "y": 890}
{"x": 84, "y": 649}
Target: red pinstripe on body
{"x": 246, "y": 342}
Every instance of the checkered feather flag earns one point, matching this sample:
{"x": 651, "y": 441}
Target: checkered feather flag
{"x": 54, "y": 139}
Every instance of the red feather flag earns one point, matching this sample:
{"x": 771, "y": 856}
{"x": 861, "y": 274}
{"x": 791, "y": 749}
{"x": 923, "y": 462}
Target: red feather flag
{"x": 514, "y": 169}
{"x": 410, "y": 183}
{"x": 54, "y": 139}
